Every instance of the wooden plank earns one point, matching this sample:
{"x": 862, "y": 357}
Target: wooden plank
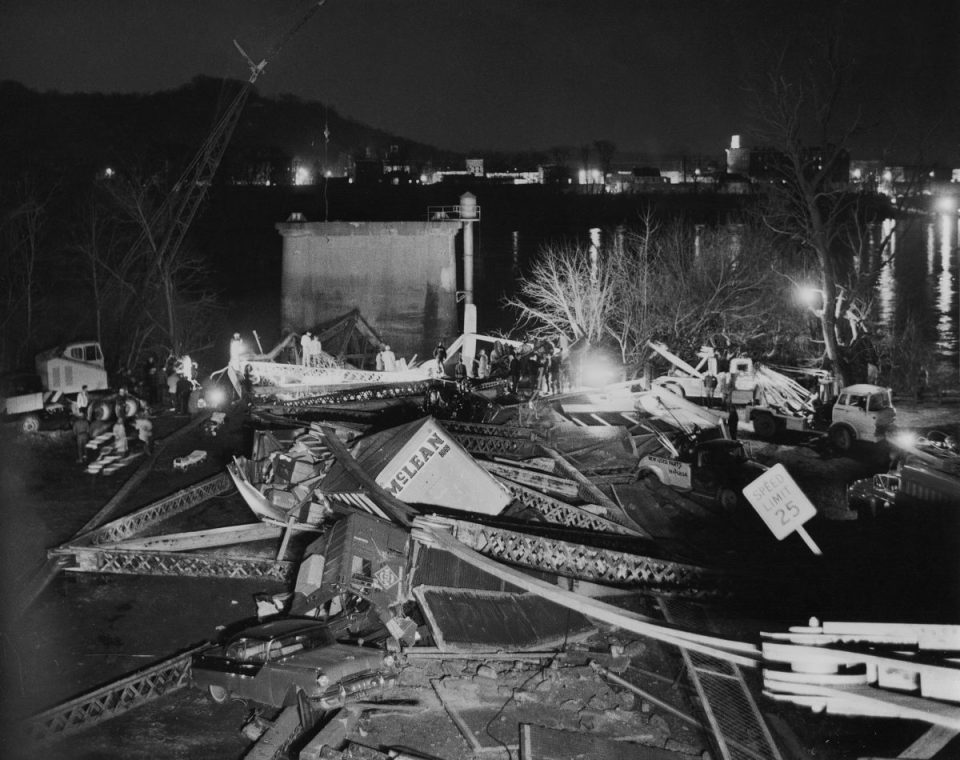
{"x": 930, "y": 743}
{"x": 542, "y": 743}
{"x": 273, "y": 744}
{"x": 200, "y": 539}
{"x": 593, "y": 492}
{"x": 533, "y": 478}
{"x": 398, "y": 510}
{"x": 459, "y": 722}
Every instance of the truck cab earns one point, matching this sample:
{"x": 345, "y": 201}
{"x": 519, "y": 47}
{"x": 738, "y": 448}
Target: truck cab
{"x": 862, "y": 412}
{"x": 716, "y": 470}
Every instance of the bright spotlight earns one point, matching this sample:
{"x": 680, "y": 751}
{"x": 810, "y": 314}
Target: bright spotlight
{"x": 216, "y": 397}
{"x": 811, "y": 297}
{"x": 905, "y": 439}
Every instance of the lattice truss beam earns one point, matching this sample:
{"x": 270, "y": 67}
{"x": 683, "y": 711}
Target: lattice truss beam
{"x": 378, "y": 392}
{"x": 111, "y": 700}
{"x": 591, "y": 563}
{"x": 560, "y": 513}
{"x": 138, "y": 522}
{"x": 101, "y": 550}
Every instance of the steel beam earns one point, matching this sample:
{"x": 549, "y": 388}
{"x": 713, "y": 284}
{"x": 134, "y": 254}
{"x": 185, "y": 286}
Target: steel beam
{"x": 197, "y": 565}
{"x": 137, "y": 522}
{"x": 111, "y": 700}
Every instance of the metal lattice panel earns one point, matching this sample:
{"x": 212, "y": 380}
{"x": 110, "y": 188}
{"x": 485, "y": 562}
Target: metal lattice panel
{"x": 731, "y": 711}
{"x": 136, "y": 523}
{"x": 559, "y": 512}
{"x": 272, "y": 373}
{"x": 366, "y": 393}
{"x": 590, "y": 563}
{"x": 110, "y": 700}
{"x": 197, "y": 565}
{"x": 490, "y": 445}
{"x": 496, "y": 431}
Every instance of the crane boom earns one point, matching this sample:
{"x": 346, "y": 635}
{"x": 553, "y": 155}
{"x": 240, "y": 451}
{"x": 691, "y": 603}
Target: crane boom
{"x": 181, "y": 205}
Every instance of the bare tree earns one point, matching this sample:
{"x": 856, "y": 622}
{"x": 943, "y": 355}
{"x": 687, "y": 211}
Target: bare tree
{"x": 177, "y": 306}
{"x": 568, "y": 294}
{"x": 801, "y": 116}
{"x": 657, "y": 284}
{"x": 22, "y": 230}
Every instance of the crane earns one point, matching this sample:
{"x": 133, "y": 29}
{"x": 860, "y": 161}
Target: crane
{"x": 168, "y": 226}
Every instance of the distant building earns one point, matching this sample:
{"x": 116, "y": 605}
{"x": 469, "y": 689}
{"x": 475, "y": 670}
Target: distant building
{"x": 738, "y": 158}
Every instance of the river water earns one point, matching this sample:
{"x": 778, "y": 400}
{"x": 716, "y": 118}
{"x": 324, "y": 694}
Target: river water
{"x": 921, "y": 280}
{"x": 516, "y": 222}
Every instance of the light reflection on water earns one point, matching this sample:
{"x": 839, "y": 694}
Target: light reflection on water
{"x": 921, "y": 280}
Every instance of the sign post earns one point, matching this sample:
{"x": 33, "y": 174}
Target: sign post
{"x": 782, "y": 505}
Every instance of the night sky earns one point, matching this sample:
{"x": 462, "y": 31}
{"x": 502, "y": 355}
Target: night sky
{"x": 654, "y": 77}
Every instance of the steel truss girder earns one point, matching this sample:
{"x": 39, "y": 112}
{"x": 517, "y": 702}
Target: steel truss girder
{"x": 196, "y": 565}
{"x": 137, "y": 522}
{"x": 111, "y": 700}
{"x": 591, "y": 563}
{"x": 378, "y": 392}
{"x": 498, "y": 446}
{"x": 559, "y": 512}
{"x": 497, "y": 431}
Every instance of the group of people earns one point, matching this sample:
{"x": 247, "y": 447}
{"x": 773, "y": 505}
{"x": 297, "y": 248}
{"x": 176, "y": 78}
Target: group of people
{"x": 311, "y": 349}
{"x": 84, "y": 428}
{"x": 543, "y": 366}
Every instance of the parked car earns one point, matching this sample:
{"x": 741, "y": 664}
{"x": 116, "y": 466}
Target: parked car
{"x": 269, "y": 662}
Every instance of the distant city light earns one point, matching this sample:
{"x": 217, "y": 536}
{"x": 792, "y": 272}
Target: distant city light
{"x": 302, "y": 176}
{"x": 108, "y": 172}
{"x": 888, "y": 176}
{"x": 329, "y": 174}
{"x": 857, "y": 174}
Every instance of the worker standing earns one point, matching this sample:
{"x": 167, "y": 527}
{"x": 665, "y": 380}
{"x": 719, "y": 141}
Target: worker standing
{"x": 460, "y": 373}
{"x": 236, "y": 350}
{"x": 306, "y": 348}
{"x": 81, "y": 429}
{"x": 440, "y": 356}
{"x": 145, "y": 432}
{"x": 120, "y": 437}
{"x": 83, "y": 401}
{"x": 316, "y": 348}
{"x": 733, "y": 421}
{"x": 389, "y": 360}
{"x": 483, "y": 365}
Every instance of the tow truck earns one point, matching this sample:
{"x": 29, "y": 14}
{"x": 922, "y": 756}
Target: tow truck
{"x": 50, "y": 395}
{"x": 774, "y": 403}
{"x": 706, "y": 465}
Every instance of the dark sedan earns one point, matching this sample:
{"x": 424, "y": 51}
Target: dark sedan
{"x": 269, "y": 662}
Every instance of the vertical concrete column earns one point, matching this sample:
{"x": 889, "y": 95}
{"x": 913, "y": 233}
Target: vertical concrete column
{"x": 468, "y": 213}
